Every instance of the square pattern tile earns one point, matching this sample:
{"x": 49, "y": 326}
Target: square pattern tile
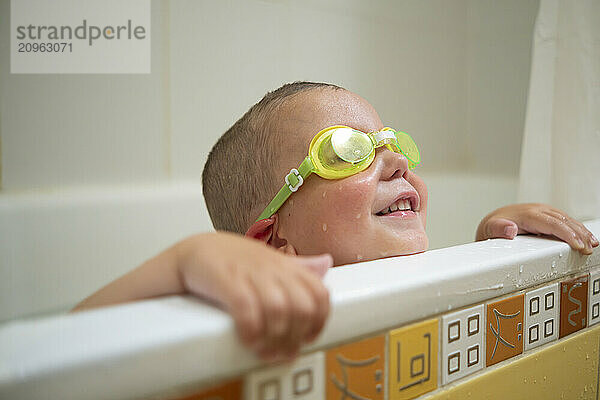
{"x": 504, "y": 329}
{"x": 413, "y": 355}
{"x": 302, "y": 380}
{"x": 462, "y": 343}
{"x": 356, "y": 370}
{"x": 541, "y": 316}
{"x": 573, "y": 305}
{"x": 594, "y": 297}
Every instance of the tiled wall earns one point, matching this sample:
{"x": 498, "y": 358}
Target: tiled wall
{"x": 411, "y": 361}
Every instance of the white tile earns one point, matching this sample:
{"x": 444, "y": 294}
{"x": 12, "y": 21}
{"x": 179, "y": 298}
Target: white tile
{"x": 303, "y": 380}
{"x": 594, "y": 297}
{"x": 462, "y": 343}
{"x": 541, "y": 316}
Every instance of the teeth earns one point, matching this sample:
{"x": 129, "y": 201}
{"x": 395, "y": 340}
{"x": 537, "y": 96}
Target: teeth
{"x": 402, "y": 205}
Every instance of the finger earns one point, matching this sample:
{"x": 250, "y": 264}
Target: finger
{"x": 317, "y": 264}
{"x": 551, "y": 225}
{"x": 501, "y": 228}
{"x": 320, "y": 296}
{"x": 302, "y": 313}
{"x": 584, "y": 238}
{"x": 589, "y": 236}
{"x": 242, "y": 303}
{"x": 275, "y": 309}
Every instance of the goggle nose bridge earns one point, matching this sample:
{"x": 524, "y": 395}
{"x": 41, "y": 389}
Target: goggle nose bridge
{"x": 383, "y": 137}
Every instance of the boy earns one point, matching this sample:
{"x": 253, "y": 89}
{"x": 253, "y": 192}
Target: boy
{"x": 377, "y": 210}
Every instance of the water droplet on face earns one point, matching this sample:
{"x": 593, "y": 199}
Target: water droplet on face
{"x": 324, "y": 194}
{"x": 357, "y": 216}
{"x": 324, "y": 227}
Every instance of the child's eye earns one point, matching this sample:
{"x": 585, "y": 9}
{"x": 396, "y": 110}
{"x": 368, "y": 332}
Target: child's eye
{"x": 331, "y": 159}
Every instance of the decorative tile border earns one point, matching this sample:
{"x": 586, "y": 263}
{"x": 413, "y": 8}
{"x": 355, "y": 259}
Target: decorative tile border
{"x": 471, "y": 339}
{"x": 573, "y": 304}
{"x": 541, "y": 316}
{"x": 413, "y": 360}
{"x": 462, "y": 343}
{"x": 356, "y": 370}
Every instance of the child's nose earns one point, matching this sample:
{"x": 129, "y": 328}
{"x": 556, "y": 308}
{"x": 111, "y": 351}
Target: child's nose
{"x": 394, "y": 165}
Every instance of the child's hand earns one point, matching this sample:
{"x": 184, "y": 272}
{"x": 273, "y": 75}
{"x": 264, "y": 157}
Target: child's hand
{"x": 278, "y": 301}
{"x": 509, "y": 221}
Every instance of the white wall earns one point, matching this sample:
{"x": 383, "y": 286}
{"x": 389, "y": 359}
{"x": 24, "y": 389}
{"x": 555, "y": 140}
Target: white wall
{"x": 453, "y": 74}
{"x": 62, "y": 130}
{"x": 499, "y": 40}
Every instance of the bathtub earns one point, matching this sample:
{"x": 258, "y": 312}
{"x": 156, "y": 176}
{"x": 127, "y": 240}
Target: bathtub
{"x": 414, "y": 324}
{"x": 177, "y": 347}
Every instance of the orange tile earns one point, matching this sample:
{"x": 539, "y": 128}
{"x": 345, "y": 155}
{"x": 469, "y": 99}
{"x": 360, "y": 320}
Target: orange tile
{"x": 504, "y": 332}
{"x": 231, "y": 390}
{"x": 413, "y": 360}
{"x": 573, "y": 305}
{"x": 356, "y": 369}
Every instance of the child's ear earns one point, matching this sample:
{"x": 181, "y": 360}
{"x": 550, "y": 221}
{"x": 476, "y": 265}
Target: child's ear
{"x": 262, "y": 230}
{"x": 267, "y": 230}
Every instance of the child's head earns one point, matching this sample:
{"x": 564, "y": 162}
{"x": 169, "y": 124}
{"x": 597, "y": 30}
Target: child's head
{"x": 248, "y": 164}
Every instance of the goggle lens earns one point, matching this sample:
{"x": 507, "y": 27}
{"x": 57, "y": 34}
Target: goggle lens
{"x": 408, "y": 147}
{"x": 350, "y": 145}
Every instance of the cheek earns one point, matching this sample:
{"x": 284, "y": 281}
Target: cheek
{"x": 327, "y": 214}
{"x": 352, "y": 198}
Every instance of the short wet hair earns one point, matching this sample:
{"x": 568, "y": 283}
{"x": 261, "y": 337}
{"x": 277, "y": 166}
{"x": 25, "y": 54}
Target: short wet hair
{"x": 237, "y": 180}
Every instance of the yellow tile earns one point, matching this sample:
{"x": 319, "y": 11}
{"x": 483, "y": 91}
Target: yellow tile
{"x": 413, "y": 360}
{"x": 355, "y": 370}
{"x": 567, "y": 369}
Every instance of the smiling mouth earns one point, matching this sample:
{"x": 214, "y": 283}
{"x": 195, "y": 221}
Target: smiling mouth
{"x": 402, "y": 207}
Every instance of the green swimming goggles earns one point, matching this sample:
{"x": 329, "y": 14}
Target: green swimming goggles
{"x": 340, "y": 151}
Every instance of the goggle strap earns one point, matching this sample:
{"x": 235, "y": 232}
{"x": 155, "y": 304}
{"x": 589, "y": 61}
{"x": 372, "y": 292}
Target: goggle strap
{"x": 293, "y": 181}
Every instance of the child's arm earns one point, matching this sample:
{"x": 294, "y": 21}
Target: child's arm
{"x": 278, "y": 301}
{"x": 541, "y": 219}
